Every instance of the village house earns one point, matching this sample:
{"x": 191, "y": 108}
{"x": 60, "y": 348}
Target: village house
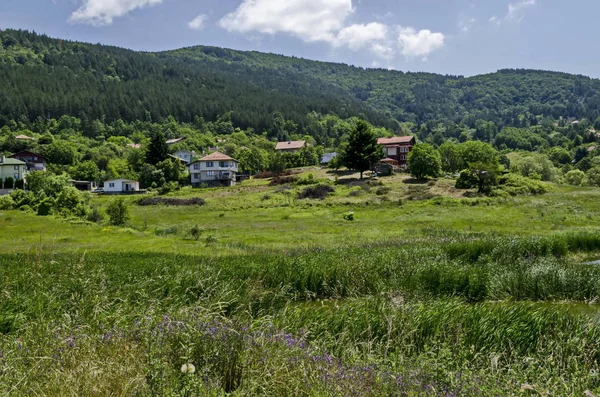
{"x": 118, "y": 186}
{"x": 216, "y": 169}
{"x": 290, "y": 146}
{"x": 35, "y": 162}
{"x": 11, "y": 168}
{"x": 397, "y": 148}
{"x": 186, "y": 156}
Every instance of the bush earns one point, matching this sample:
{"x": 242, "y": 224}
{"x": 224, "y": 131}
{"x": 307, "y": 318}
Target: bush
{"x": 118, "y": 212}
{"x": 515, "y": 185}
{"x": 169, "y": 187}
{"x": 6, "y": 203}
{"x": 196, "y": 232}
{"x": 45, "y": 207}
{"x": 467, "y": 180}
{"x": 349, "y": 216}
{"x": 307, "y": 180}
{"x": 575, "y": 177}
{"x": 95, "y": 215}
{"x": 283, "y": 180}
{"x": 319, "y": 192}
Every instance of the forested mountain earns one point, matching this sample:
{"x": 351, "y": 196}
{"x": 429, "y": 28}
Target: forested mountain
{"x": 44, "y": 77}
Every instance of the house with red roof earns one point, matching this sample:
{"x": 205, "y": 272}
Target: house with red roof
{"x": 397, "y": 148}
{"x": 290, "y": 146}
{"x": 216, "y": 169}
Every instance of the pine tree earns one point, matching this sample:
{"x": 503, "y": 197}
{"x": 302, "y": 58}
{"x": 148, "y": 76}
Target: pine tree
{"x": 158, "y": 150}
{"x": 362, "y": 151}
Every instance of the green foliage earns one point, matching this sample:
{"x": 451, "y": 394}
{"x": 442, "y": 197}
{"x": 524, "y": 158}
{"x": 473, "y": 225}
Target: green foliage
{"x": 362, "y": 151}
{"x": 118, "y": 212}
{"x": 575, "y": 177}
{"x": 559, "y": 156}
{"x": 514, "y": 185}
{"x": 9, "y": 183}
{"x": 593, "y": 176}
{"x": 349, "y": 216}
{"x": 535, "y": 166}
{"x": 6, "y": 203}
{"x": 424, "y": 162}
{"x": 316, "y": 192}
{"x": 451, "y": 155}
{"x": 158, "y": 150}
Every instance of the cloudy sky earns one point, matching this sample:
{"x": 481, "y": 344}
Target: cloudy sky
{"x": 459, "y": 37}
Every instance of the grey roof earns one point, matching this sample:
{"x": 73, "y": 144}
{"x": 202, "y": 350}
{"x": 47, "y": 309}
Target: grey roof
{"x": 327, "y": 157}
{"x": 11, "y": 161}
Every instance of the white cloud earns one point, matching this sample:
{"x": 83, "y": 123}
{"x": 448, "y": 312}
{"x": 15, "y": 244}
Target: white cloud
{"x": 514, "y": 9}
{"x": 309, "y": 20}
{"x": 384, "y": 51}
{"x": 198, "y": 22}
{"x": 466, "y": 24}
{"x": 102, "y": 12}
{"x": 359, "y": 36}
{"x": 419, "y": 44}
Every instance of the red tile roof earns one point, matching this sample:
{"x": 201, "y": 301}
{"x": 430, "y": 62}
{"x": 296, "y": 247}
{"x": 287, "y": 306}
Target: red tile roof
{"x": 397, "y": 140}
{"x": 291, "y": 145}
{"x": 216, "y": 156}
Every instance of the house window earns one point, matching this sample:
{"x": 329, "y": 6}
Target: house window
{"x": 35, "y": 159}
{"x": 111, "y": 185}
{"x": 196, "y": 166}
{"x": 16, "y": 168}
{"x": 224, "y": 164}
{"x": 209, "y": 164}
{"x": 210, "y": 173}
{"x": 16, "y": 176}
{"x": 196, "y": 176}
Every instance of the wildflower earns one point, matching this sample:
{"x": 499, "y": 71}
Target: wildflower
{"x": 188, "y": 369}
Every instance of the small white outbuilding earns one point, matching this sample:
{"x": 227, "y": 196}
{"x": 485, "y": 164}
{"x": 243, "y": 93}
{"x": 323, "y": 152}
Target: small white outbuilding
{"x": 121, "y": 186}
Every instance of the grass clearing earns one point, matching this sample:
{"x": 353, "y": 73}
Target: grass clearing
{"x": 272, "y": 295}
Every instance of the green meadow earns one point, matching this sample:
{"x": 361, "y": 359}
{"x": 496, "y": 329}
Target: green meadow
{"x": 423, "y": 291}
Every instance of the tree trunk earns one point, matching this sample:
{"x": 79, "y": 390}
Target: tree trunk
{"x": 361, "y": 175}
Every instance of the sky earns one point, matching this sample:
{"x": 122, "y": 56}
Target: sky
{"x": 457, "y": 37}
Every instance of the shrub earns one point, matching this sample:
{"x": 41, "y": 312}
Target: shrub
{"x": 95, "y": 215}
{"x": 169, "y": 187}
{"x": 319, "y": 192}
{"x": 283, "y": 180}
{"x": 6, "y": 203}
{"x": 19, "y": 184}
{"x": 196, "y": 232}
{"x": 118, "y": 212}
{"x": 45, "y": 207}
{"x": 307, "y": 180}
{"x": 467, "y": 180}
{"x": 349, "y": 216}
{"x": 515, "y": 185}
{"x": 575, "y": 177}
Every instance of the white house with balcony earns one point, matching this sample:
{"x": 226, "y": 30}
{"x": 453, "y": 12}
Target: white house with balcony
{"x": 216, "y": 169}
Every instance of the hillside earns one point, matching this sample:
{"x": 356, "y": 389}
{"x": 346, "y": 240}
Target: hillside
{"x": 45, "y": 77}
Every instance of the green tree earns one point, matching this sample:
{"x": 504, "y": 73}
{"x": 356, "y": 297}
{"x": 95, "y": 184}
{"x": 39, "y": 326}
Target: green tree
{"x": 424, "y": 162}
{"x": 362, "y": 151}
{"x": 85, "y": 171}
{"x": 118, "y": 212}
{"x": 451, "y": 155}
{"x": 158, "y": 150}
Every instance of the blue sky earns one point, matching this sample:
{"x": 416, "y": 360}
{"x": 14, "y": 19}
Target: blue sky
{"x": 459, "y": 37}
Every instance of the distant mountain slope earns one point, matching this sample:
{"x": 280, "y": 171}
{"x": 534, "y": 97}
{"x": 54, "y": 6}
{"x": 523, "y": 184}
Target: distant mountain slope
{"x": 420, "y": 97}
{"x": 45, "y": 77}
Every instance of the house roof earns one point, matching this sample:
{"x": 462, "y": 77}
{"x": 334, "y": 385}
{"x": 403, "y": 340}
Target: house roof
{"x": 327, "y": 157}
{"x": 9, "y": 161}
{"x": 388, "y": 160}
{"x": 27, "y": 153}
{"x": 24, "y": 137}
{"x": 397, "y": 140}
{"x": 176, "y": 140}
{"x": 290, "y": 145}
{"x": 216, "y": 156}
{"x": 120, "y": 180}
{"x": 134, "y": 145}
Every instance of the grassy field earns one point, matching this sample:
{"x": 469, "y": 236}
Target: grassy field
{"x": 425, "y": 292}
